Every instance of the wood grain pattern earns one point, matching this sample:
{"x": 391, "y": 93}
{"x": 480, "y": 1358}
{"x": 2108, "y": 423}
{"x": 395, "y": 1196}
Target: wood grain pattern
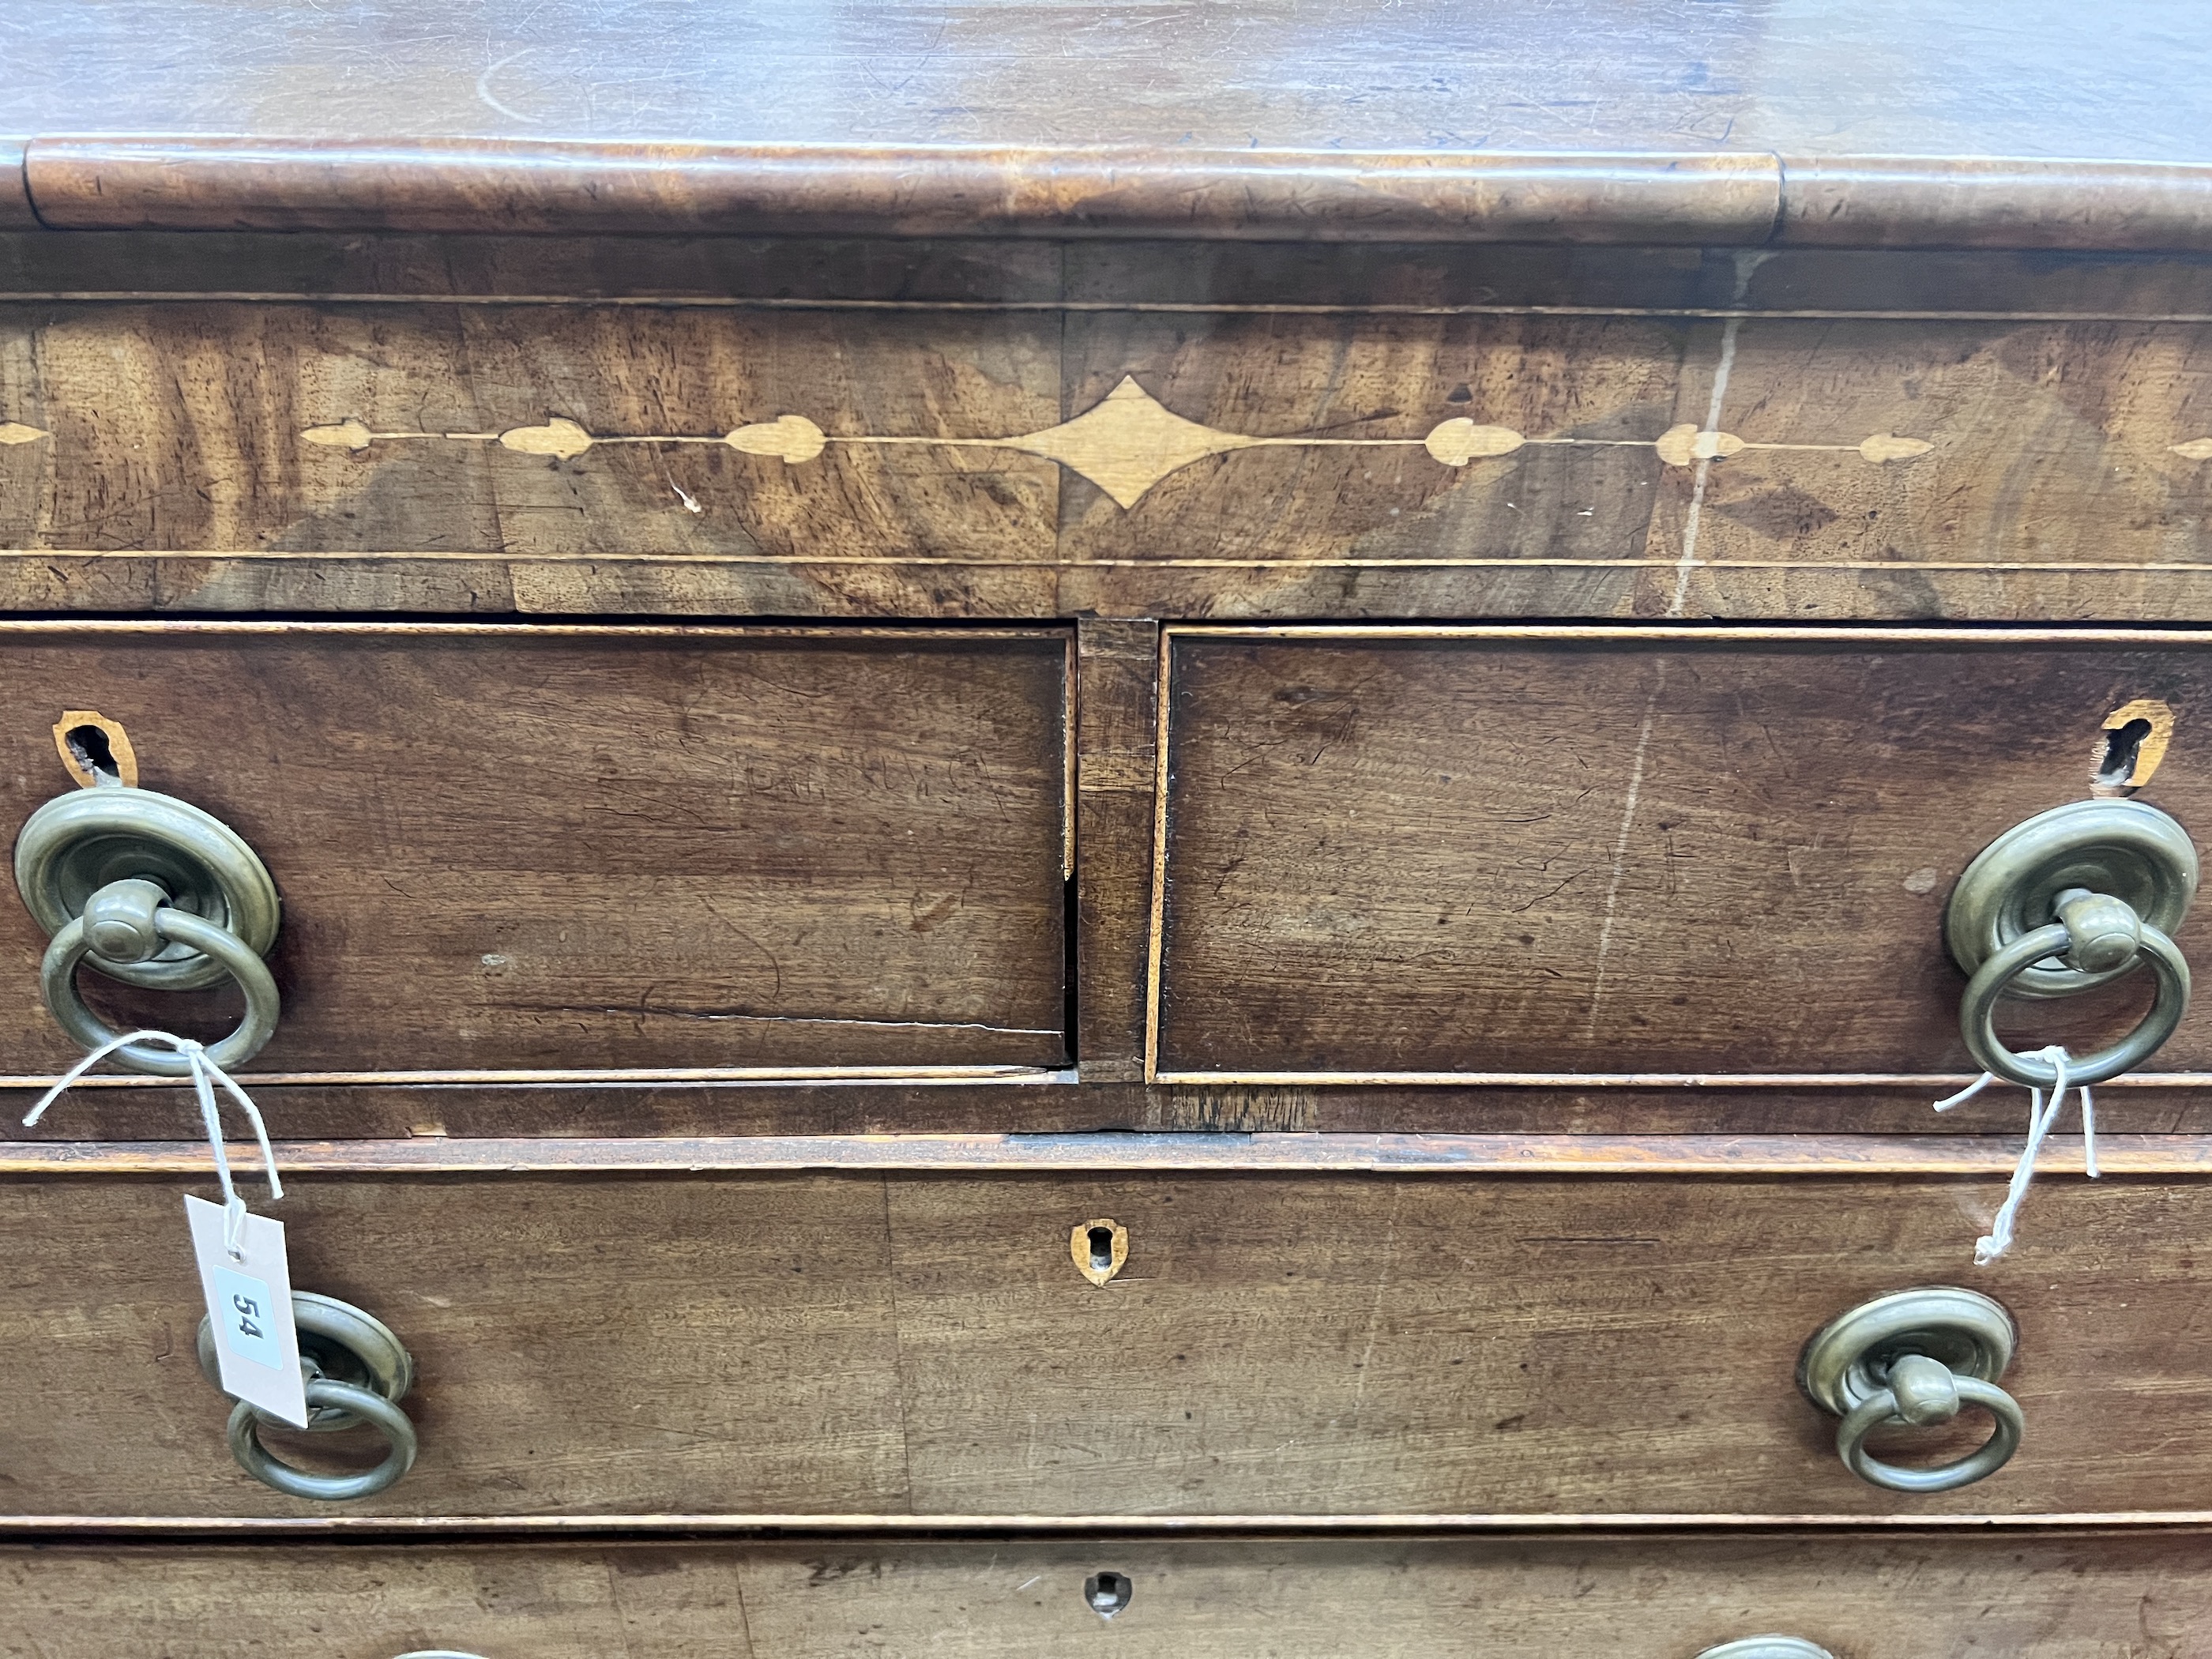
{"x": 1892, "y": 201}
{"x": 1938, "y": 78}
{"x": 1389, "y": 856}
{"x": 351, "y": 1108}
{"x": 505, "y": 184}
{"x": 1110, "y": 1153}
{"x": 1840, "y": 467}
{"x": 503, "y": 848}
{"x": 668, "y": 1345}
{"x": 15, "y": 190}
{"x": 192, "y": 422}
{"x": 1116, "y": 703}
{"x": 2063, "y": 1597}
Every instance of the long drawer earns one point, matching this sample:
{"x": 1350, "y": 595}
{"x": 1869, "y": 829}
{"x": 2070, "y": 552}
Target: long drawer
{"x": 1459, "y": 855}
{"x": 518, "y": 848}
{"x": 1915, "y": 1597}
{"x": 899, "y": 1342}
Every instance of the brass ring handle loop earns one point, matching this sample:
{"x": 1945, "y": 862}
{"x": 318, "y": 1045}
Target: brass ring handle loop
{"x": 72, "y": 944}
{"x": 364, "y": 1405}
{"x": 73, "y": 846}
{"x": 1915, "y": 1358}
{"x": 1881, "y": 1409}
{"x": 1977, "y": 1010}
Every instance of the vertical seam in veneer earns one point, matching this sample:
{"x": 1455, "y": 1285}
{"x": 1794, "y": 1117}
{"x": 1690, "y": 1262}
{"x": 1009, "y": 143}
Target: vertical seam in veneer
{"x": 1156, "y": 928}
{"x": 1781, "y": 198}
{"x": 898, "y": 1339}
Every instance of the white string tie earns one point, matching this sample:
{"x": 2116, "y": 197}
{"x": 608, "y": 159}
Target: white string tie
{"x": 205, "y": 1074}
{"x": 1994, "y": 1243}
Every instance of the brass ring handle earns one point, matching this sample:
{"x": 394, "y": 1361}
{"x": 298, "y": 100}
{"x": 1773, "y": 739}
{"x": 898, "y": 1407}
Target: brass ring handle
{"x": 1916, "y": 1358}
{"x": 1924, "y": 1391}
{"x": 363, "y": 1405}
{"x": 357, "y": 1371}
{"x": 130, "y": 920}
{"x": 1977, "y": 1008}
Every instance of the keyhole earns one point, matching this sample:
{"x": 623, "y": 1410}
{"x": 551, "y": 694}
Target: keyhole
{"x": 94, "y": 753}
{"x": 98, "y": 751}
{"x": 2123, "y": 745}
{"x": 1106, "y": 1593}
{"x": 1098, "y": 1248}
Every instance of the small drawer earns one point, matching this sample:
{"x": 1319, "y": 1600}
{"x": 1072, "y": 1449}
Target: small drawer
{"x": 502, "y": 849}
{"x": 1554, "y": 855}
{"x": 710, "y": 1336}
{"x": 2031, "y": 1596}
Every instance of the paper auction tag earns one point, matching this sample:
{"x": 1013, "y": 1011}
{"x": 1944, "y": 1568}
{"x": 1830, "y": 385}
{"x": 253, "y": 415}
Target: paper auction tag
{"x": 249, "y": 1302}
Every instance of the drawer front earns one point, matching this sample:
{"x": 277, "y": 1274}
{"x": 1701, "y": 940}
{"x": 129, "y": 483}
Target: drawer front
{"x": 1446, "y": 855}
{"x": 717, "y": 1344}
{"x": 2032, "y": 1597}
{"x": 916, "y": 429}
{"x": 503, "y": 848}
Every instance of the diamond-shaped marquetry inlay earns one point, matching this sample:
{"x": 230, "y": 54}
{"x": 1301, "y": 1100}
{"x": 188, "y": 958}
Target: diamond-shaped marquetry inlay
{"x": 1126, "y": 443}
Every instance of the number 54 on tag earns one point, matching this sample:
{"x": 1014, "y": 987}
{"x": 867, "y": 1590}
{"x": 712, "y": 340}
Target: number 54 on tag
{"x": 249, "y": 1303}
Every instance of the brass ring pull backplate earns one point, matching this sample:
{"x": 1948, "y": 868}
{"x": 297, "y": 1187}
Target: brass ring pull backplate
{"x": 2069, "y": 900}
{"x": 1914, "y": 1359}
{"x": 149, "y": 890}
{"x": 357, "y": 1373}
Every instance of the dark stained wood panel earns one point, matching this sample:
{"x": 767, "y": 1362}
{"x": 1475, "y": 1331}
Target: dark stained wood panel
{"x": 503, "y": 848}
{"x": 2063, "y": 1597}
{"x": 591, "y": 1345}
{"x": 186, "y": 428}
{"x": 1607, "y": 852}
{"x": 664, "y": 1344}
{"x": 1016, "y": 463}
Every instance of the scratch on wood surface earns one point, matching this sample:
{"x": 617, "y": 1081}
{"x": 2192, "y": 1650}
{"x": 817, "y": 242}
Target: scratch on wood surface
{"x": 1375, "y": 1307}
{"x": 719, "y": 1014}
{"x": 1705, "y": 457}
{"x": 1620, "y": 840}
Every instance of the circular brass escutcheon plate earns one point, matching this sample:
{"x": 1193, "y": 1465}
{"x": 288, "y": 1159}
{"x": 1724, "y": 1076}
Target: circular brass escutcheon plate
{"x": 2126, "y": 848}
{"x": 1847, "y": 1361}
{"x": 77, "y": 843}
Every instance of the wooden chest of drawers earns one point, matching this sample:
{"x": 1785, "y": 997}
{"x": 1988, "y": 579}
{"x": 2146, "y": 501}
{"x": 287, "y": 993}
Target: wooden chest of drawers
{"x": 1123, "y": 831}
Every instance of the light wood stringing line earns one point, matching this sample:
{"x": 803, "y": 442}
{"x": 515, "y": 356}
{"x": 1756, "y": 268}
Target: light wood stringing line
{"x": 1183, "y": 1152}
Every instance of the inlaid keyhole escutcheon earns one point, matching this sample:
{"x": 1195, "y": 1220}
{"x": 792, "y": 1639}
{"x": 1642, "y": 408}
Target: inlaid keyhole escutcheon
{"x": 1099, "y": 1247}
{"x": 96, "y": 749}
{"x": 1106, "y": 1593}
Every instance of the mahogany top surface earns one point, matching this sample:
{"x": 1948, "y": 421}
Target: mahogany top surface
{"x": 2128, "y": 81}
